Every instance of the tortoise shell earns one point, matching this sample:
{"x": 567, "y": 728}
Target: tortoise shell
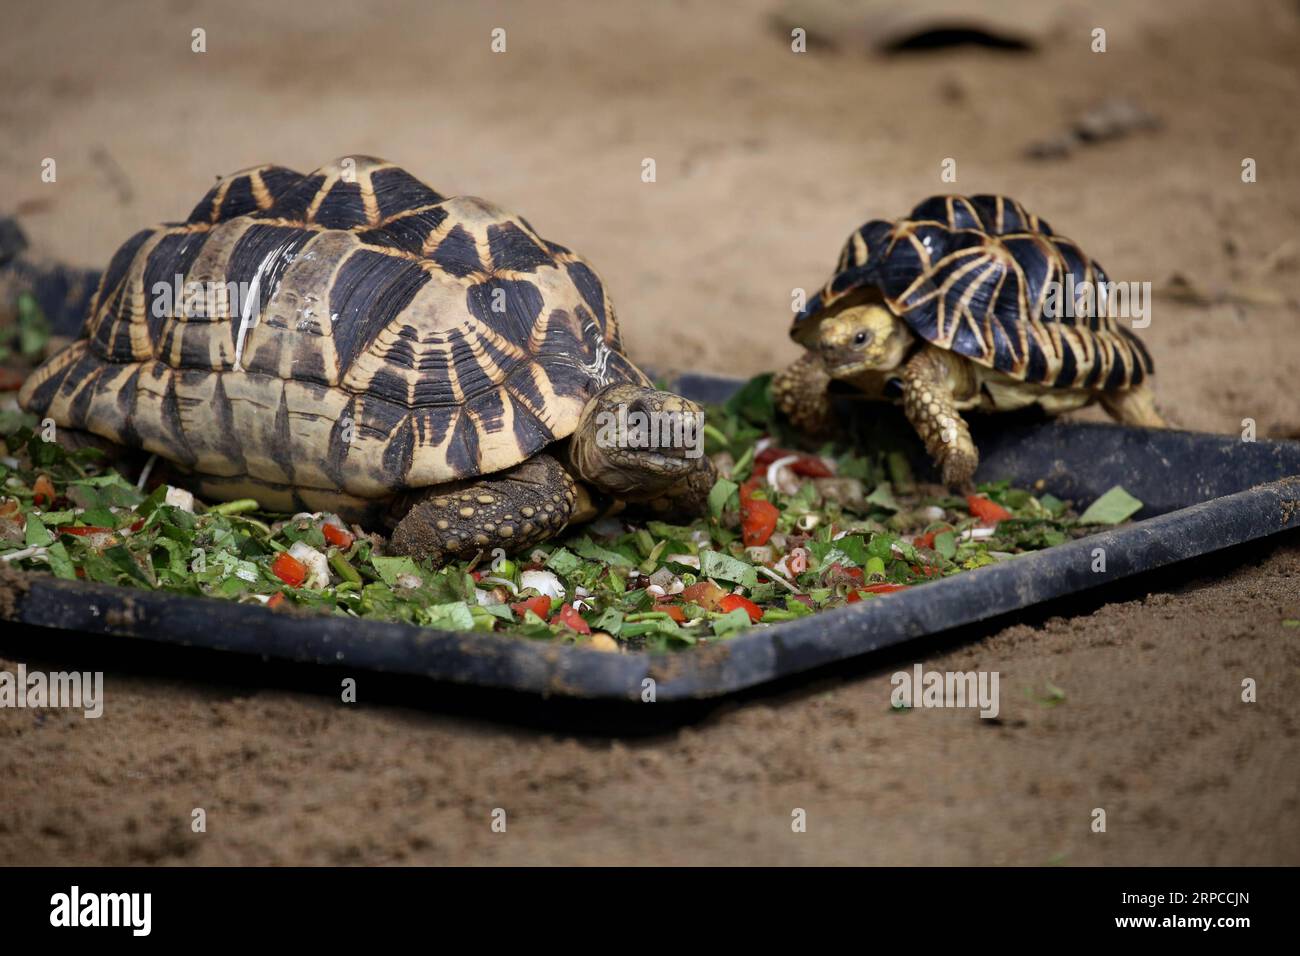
{"x": 373, "y": 336}
{"x": 974, "y": 275}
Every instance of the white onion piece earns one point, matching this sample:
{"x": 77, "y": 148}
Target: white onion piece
{"x": 318, "y": 566}
{"x": 543, "y": 582}
{"x": 793, "y": 564}
{"x": 769, "y": 573}
{"x": 35, "y": 552}
{"x": 774, "y": 473}
{"x": 179, "y": 498}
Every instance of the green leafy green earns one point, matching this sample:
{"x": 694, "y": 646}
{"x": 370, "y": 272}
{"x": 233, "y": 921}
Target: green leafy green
{"x": 648, "y": 583}
{"x": 1113, "y": 507}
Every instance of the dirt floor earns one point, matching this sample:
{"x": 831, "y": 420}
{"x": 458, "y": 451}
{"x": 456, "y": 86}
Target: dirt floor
{"x": 765, "y": 160}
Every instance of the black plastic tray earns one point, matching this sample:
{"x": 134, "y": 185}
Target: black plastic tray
{"x": 1202, "y": 493}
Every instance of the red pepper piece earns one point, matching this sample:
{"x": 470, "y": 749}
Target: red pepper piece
{"x": 733, "y": 601}
{"x": 540, "y": 605}
{"x": 571, "y": 619}
{"x": 757, "y": 521}
{"x": 339, "y": 537}
{"x": 289, "y": 569}
{"x": 989, "y": 512}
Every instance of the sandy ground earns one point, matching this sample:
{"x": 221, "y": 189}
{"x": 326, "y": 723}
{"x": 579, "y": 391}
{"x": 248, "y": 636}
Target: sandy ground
{"x": 765, "y": 160}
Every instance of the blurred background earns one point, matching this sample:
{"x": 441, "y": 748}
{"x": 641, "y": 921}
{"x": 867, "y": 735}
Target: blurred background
{"x": 765, "y": 160}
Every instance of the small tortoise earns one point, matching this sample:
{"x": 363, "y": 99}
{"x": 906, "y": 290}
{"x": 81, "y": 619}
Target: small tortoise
{"x": 955, "y": 307}
{"x": 374, "y": 349}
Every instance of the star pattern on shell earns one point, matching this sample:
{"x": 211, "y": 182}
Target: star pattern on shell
{"x": 985, "y": 278}
{"x": 356, "y": 331}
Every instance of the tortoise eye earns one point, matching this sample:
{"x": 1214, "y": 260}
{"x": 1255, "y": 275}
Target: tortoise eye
{"x": 861, "y": 338}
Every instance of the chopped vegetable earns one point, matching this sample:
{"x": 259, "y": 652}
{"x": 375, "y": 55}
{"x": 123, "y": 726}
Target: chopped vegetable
{"x": 808, "y": 466}
{"x": 856, "y": 593}
{"x": 289, "y": 569}
{"x": 704, "y": 593}
{"x": 42, "y": 491}
{"x": 317, "y": 565}
{"x": 733, "y": 602}
{"x": 1114, "y": 506}
{"x": 179, "y": 498}
{"x": 571, "y": 619}
{"x": 339, "y": 537}
{"x": 788, "y": 533}
{"x": 543, "y": 582}
{"x": 674, "y": 611}
{"x": 539, "y": 605}
{"x": 989, "y": 512}
{"x": 758, "y": 521}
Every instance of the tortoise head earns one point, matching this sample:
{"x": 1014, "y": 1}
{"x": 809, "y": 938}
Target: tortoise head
{"x": 860, "y": 337}
{"x": 637, "y": 442}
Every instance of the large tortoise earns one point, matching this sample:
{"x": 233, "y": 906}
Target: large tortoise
{"x": 965, "y": 303}
{"x": 352, "y": 341}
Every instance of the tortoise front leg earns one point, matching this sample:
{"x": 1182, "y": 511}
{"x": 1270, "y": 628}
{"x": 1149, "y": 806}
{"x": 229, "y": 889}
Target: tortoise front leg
{"x": 513, "y": 509}
{"x": 930, "y": 406}
{"x": 800, "y": 394}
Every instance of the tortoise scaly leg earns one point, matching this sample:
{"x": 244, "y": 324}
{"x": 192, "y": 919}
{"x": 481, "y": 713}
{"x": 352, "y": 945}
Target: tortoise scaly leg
{"x": 930, "y": 406}
{"x": 512, "y": 509}
{"x": 1133, "y": 406}
{"x": 800, "y": 394}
